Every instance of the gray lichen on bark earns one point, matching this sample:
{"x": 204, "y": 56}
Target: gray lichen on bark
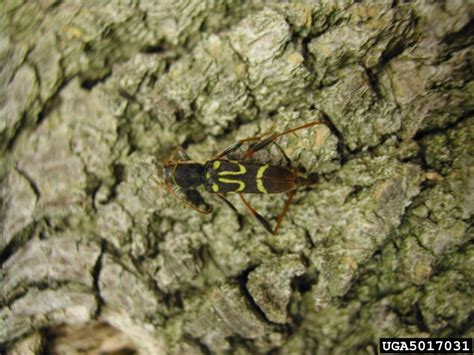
{"x": 95, "y": 95}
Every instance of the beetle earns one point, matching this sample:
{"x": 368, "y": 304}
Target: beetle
{"x": 220, "y": 176}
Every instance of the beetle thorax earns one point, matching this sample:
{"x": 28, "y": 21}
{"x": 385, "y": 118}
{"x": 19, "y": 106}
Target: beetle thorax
{"x": 185, "y": 175}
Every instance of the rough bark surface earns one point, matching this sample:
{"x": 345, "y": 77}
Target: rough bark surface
{"x": 94, "y": 95}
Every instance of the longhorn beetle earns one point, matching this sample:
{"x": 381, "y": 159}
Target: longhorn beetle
{"x": 220, "y": 176}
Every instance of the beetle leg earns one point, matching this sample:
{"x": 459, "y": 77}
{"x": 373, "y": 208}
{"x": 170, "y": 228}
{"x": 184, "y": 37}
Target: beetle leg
{"x": 196, "y": 199}
{"x": 227, "y": 202}
{"x": 265, "y": 142}
{"x": 182, "y": 156}
{"x": 258, "y": 216}
{"x": 180, "y": 153}
{"x": 287, "y": 159}
{"x": 186, "y": 200}
{"x": 284, "y": 211}
{"x": 263, "y": 221}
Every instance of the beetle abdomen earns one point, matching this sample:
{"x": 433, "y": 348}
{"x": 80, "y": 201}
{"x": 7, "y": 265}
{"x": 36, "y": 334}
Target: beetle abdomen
{"x": 276, "y": 179}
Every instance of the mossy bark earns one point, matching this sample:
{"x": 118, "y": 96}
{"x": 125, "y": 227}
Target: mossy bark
{"x": 94, "y": 95}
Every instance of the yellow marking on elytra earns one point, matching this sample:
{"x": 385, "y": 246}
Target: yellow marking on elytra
{"x": 242, "y": 170}
{"x": 260, "y": 186}
{"x": 215, "y": 187}
{"x": 259, "y": 176}
{"x": 232, "y": 181}
{"x": 208, "y": 175}
{"x": 261, "y": 170}
{"x": 216, "y": 165}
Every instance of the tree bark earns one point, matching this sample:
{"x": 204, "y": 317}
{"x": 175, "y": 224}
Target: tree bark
{"x": 95, "y": 95}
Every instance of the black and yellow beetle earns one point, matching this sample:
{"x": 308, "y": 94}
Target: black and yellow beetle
{"x": 220, "y": 176}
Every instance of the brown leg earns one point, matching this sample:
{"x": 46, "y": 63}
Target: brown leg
{"x": 259, "y": 218}
{"x": 263, "y": 143}
{"x": 186, "y": 202}
{"x": 288, "y": 160}
{"x": 263, "y": 221}
{"x": 181, "y": 154}
{"x": 285, "y": 210}
{"x": 226, "y": 201}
